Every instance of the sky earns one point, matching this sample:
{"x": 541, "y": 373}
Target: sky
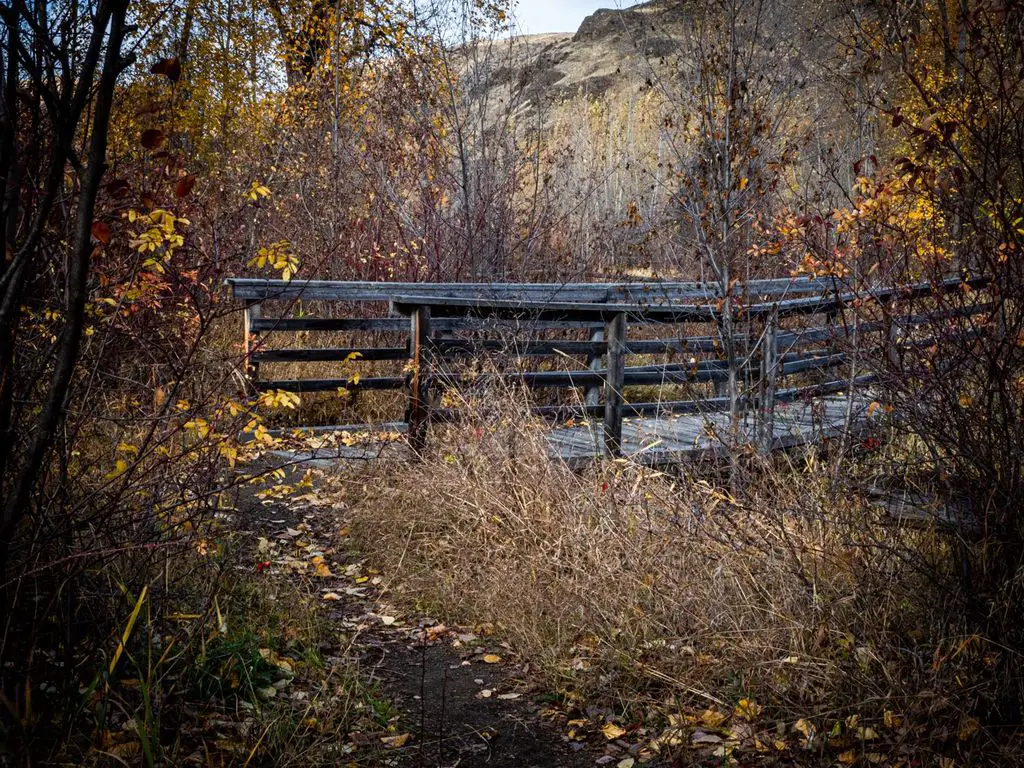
{"x": 538, "y": 16}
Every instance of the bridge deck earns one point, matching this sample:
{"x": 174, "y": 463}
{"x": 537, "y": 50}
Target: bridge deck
{"x": 668, "y": 438}
{"x": 660, "y": 440}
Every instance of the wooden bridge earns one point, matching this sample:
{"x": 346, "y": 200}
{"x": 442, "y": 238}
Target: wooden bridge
{"x": 656, "y": 371}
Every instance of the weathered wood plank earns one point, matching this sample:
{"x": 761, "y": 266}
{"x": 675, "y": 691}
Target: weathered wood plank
{"x": 812, "y": 363}
{"x": 267, "y": 324}
{"x": 419, "y": 387}
{"x": 567, "y": 311}
{"x": 615, "y": 335}
{"x": 453, "y": 347}
{"x": 247, "y": 289}
{"x": 401, "y": 325}
{"x": 341, "y": 354}
{"x": 328, "y": 385}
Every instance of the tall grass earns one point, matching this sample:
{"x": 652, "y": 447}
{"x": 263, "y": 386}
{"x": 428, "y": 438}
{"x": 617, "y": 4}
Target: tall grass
{"x": 638, "y": 586}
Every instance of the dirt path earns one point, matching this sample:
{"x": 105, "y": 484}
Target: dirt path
{"x": 452, "y": 696}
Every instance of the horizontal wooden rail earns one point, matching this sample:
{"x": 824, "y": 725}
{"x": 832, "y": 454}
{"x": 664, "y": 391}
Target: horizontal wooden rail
{"x": 398, "y": 324}
{"x": 566, "y": 311}
{"x": 243, "y": 289}
{"x": 330, "y": 385}
{"x": 668, "y": 373}
{"x": 265, "y": 324}
{"x": 343, "y": 354}
{"x": 254, "y": 289}
{"x": 677, "y": 407}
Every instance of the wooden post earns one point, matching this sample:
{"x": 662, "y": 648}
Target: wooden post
{"x": 895, "y": 360}
{"x": 419, "y": 352}
{"x": 891, "y": 333}
{"x": 720, "y": 387}
{"x": 615, "y": 333}
{"x": 252, "y": 312}
{"x": 593, "y": 394}
{"x": 769, "y": 364}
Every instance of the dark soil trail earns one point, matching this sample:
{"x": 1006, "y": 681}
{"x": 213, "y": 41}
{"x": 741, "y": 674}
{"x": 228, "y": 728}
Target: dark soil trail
{"x": 440, "y": 697}
{"x": 454, "y": 696}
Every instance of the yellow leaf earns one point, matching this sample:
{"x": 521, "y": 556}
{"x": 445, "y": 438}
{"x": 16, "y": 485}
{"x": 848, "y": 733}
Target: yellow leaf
{"x": 612, "y": 731}
{"x": 394, "y": 742}
{"x": 968, "y": 728}
{"x": 712, "y": 718}
{"x": 120, "y": 467}
{"x": 848, "y": 758}
{"x": 331, "y": 597}
{"x": 747, "y": 709}
{"x": 491, "y": 658}
{"x": 804, "y": 728}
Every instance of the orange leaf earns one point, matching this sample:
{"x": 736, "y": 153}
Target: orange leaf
{"x": 184, "y": 186}
{"x": 153, "y": 138}
{"x": 101, "y": 231}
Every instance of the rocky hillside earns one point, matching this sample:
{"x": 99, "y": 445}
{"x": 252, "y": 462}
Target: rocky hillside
{"x": 615, "y": 52}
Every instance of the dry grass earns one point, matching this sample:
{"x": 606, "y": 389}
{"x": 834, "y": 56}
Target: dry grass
{"x": 628, "y": 584}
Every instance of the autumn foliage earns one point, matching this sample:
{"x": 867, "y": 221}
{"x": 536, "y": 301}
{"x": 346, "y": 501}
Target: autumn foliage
{"x": 149, "y": 150}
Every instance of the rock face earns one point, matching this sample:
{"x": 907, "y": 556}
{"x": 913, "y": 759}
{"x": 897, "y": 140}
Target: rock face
{"x": 615, "y": 52}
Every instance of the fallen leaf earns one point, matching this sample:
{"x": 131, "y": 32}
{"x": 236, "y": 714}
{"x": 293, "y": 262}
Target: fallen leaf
{"x": 486, "y": 693}
{"x": 387, "y": 621}
{"x": 101, "y": 231}
{"x": 807, "y": 729}
{"x": 627, "y": 763}
{"x": 702, "y": 737}
{"x": 612, "y": 731}
{"x": 747, "y": 709}
{"x": 712, "y": 718}
{"x": 491, "y": 658}
{"x": 509, "y": 696}
{"x": 394, "y": 742}
{"x": 184, "y": 186}
{"x": 892, "y": 719}
{"x": 968, "y": 728}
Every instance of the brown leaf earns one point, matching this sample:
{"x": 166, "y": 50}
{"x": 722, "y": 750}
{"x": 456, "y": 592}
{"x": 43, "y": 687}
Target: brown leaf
{"x": 184, "y": 186}
{"x": 153, "y": 138}
{"x": 170, "y": 67}
{"x": 118, "y": 187}
{"x": 394, "y": 742}
{"x": 101, "y": 231}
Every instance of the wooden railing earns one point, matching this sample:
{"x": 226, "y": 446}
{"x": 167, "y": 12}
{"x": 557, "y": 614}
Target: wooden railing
{"x": 617, "y": 321}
